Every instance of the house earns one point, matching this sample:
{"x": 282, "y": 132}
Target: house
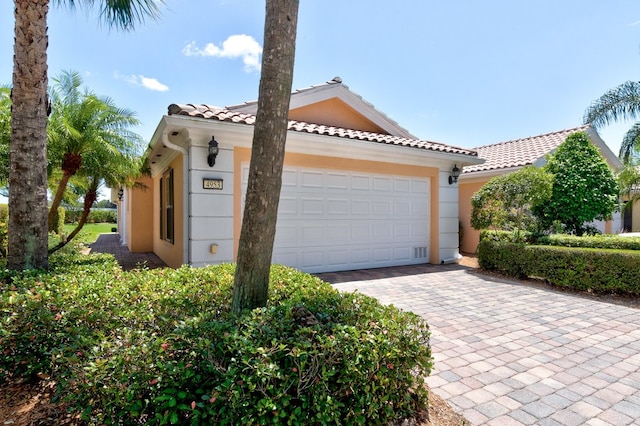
{"x": 358, "y": 191}
{"x": 506, "y": 157}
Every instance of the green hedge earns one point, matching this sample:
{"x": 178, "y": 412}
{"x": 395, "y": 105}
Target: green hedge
{"x": 597, "y": 270}
{"x": 95, "y": 216}
{"x": 160, "y": 346}
{"x": 606, "y": 241}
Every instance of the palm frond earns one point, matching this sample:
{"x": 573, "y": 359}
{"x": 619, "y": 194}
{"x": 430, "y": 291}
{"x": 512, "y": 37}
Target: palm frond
{"x": 622, "y": 102}
{"x": 121, "y": 14}
{"x": 630, "y": 144}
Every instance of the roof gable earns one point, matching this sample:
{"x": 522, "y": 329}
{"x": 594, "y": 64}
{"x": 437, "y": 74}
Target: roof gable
{"x": 532, "y": 150}
{"x": 227, "y": 115}
{"x": 333, "y": 104}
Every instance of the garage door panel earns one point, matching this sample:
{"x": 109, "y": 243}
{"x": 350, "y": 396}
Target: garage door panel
{"x": 360, "y": 183}
{"x": 338, "y": 181}
{"x": 289, "y": 179}
{"x": 335, "y": 220}
{"x": 382, "y": 184}
{"x": 313, "y": 179}
{"x": 312, "y": 206}
{"x": 382, "y": 208}
{"x": 402, "y": 185}
{"x": 288, "y": 206}
{"x": 338, "y": 207}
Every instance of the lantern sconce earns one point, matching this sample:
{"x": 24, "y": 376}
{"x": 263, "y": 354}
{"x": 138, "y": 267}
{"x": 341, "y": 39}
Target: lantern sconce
{"x": 455, "y": 173}
{"x": 120, "y": 193}
{"x": 213, "y": 151}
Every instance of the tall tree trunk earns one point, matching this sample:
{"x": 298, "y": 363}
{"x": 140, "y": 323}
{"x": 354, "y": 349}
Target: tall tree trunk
{"x": 27, "y": 242}
{"x": 89, "y": 199}
{"x": 251, "y": 281}
{"x": 57, "y": 199}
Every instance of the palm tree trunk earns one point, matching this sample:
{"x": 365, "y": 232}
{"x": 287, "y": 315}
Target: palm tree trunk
{"x": 89, "y": 199}
{"x": 251, "y": 281}
{"x": 57, "y": 199}
{"x": 27, "y": 241}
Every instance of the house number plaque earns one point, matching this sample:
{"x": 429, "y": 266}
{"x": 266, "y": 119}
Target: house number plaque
{"x": 211, "y": 183}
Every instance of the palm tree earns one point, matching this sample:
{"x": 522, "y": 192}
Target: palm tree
{"x": 620, "y": 103}
{"x": 117, "y": 169}
{"x": 251, "y": 280}
{"x": 84, "y": 125}
{"x": 27, "y": 242}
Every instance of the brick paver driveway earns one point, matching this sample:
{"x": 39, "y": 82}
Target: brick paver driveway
{"x": 508, "y": 354}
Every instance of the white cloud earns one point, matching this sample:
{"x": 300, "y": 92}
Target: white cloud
{"x": 142, "y": 81}
{"x": 235, "y": 46}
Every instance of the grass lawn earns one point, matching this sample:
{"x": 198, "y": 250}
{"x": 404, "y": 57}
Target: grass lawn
{"x": 90, "y": 231}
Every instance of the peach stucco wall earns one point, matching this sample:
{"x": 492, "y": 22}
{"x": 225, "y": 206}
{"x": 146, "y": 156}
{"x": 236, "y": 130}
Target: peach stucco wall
{"x": 470, "y": 236}
{"x": 243, "y": 155}
{"x": 334, "y": 112}
{"x": 139, "y": 217}
{"x": 171, "y": 254}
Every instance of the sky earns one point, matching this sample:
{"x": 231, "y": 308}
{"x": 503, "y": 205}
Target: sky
{"x": 462, "y": 72}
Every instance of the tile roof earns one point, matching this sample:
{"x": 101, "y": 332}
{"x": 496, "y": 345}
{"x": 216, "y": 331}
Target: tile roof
{"x": 223, "y": 114}
{"x": 519, "y": 152}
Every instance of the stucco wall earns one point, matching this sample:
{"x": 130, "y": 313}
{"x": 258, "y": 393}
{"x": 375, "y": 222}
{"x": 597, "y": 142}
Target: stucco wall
{"x": 139, "y": 216}
{"x": 470, "y": 236}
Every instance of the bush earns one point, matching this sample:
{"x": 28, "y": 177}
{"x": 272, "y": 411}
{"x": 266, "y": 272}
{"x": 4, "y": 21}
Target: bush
{"x": 95, "y": 216}
{"x": 606, "y": 241}
{"x": 160, "y": 346}
{"x": 597, "y": 270}
{"x": 103, "y": 216}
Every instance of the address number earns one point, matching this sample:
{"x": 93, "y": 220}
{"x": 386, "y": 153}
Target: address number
{"x": 212, "y": 183}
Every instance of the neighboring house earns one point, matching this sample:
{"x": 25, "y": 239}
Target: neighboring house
{"x": 358, "y": 190}
{"x": 506, "y": 157}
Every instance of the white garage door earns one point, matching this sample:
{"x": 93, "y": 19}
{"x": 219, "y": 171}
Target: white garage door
{"x": 336, "y": 221}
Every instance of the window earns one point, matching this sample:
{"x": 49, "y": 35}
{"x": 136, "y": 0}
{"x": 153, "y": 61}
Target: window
{"x": 166, "y": 206}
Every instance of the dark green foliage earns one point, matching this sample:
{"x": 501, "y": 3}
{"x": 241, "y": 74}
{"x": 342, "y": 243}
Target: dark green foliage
{"x": 607, "y": 241}
{"x": 505, "y": 202}
{"x": 596, "y": 270}
{"x": 584, "y": 188}
{"x": 103, "y": 216}
{"x": 161, "y": 347}
{"x": 96, "y": 216}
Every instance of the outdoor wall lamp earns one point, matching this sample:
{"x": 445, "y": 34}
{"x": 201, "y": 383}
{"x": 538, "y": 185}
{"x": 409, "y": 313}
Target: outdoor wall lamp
{"x": 213, "y": 151}
{"x": 120, "y": 193}
{"x": 455, "y": 172}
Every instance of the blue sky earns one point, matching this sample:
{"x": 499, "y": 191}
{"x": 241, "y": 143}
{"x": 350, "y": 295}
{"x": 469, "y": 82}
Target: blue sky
{"x": 461, "y": 72}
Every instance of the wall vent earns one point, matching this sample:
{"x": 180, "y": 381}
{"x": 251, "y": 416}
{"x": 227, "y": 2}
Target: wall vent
{"x": 420, "y": 252}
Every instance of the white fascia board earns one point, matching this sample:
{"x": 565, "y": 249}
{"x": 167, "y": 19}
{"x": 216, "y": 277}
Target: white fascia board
{"x": 199, "y": 132}
{"x": 313, "y": 144}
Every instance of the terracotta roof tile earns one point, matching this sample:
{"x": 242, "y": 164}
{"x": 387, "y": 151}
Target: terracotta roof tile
{"x": 223, "y": 114}
{"x": 519, "y": 152}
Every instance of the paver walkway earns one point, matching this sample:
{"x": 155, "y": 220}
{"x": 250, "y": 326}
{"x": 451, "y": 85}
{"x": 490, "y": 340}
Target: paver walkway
{"x": 110, "y": 243}
{"x": 508, "y": 354}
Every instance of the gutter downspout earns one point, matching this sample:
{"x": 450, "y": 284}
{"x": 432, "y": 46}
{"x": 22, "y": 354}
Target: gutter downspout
{"x": 186, "y": 184}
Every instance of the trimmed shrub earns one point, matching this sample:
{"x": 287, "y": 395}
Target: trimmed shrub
{"x": 103, "y": 216}
{"x": 606, "y": 241}
{"x": 597, "y": 270}
{"x": 160, "y": 346}
{"x": 95, "y": 215}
